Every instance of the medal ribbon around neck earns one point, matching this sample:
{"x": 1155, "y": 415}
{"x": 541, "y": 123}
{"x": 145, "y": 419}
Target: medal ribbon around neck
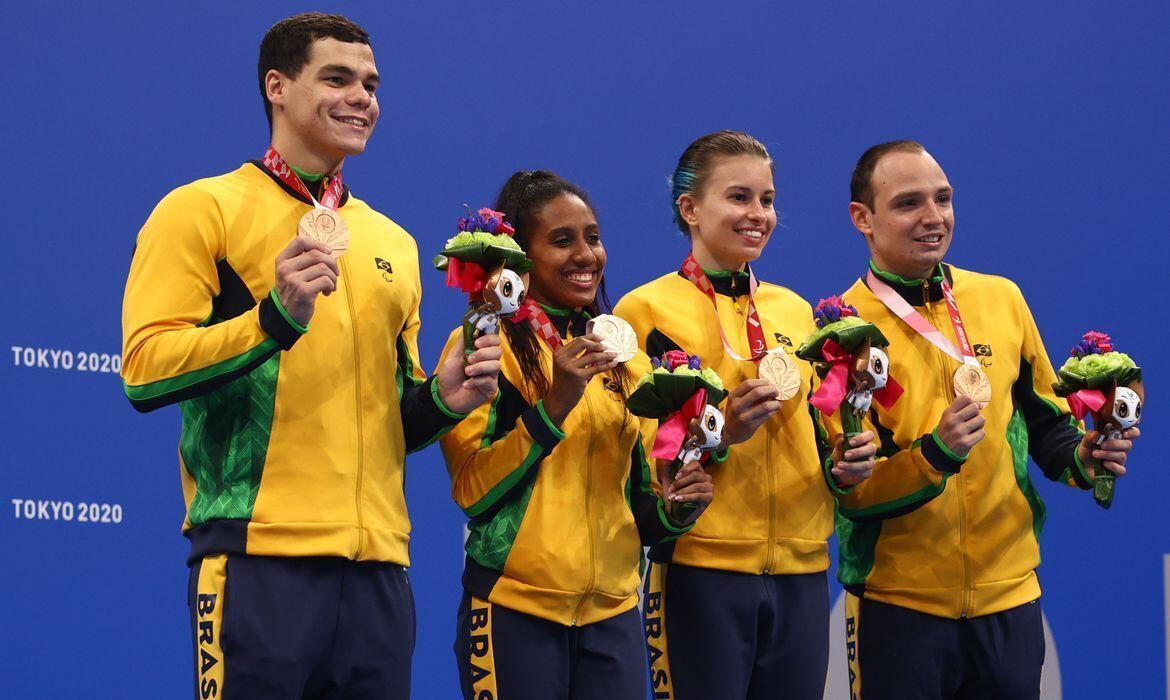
{"x": 755, "y": 332}
{"x": 903, "y": 310}
{"x": 281, "y": 169}
{"x": 539, "y": 321}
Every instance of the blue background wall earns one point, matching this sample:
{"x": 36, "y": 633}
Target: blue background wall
{"x": 1050, "y": 119}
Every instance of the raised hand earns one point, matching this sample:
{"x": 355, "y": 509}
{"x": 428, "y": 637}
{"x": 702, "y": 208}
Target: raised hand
{"x": 692, "y": 484}
{"x": 961, "y": 426}
{"x": 574, "y": 364}
{"x": 748, "y": 406}
{"x": 304, "y": 269}
{"x": 853, "y": 465}
{"x": 467, "y": 381}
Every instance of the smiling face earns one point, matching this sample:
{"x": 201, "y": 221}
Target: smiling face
{"x": 732, "y": 216}
{"x": 564, "y": 242}
{"x": 910, "y": 225}
{"x": 328, "y": 110}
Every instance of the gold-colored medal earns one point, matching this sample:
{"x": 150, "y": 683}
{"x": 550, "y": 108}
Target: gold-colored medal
{"x": 970, "y": 380}
{"x": 326, "y": 226}
{"x": 778, "y": 369}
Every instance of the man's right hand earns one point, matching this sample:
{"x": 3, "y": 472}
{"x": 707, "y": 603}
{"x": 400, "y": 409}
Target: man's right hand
{"x": 961, "y": 426}
{"x": 304, "y": 269}
{"x": 748, "y": 406}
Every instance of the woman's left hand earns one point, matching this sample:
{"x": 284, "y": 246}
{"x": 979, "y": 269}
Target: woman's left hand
{"x": 692, "y": 484}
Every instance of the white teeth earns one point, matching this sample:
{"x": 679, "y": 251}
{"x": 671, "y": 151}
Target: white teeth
{"x": 581, "y": 276}
{"x": 930, "y": 239}
{"x": 751, "y": 233}
{"x": 350, "y": 120}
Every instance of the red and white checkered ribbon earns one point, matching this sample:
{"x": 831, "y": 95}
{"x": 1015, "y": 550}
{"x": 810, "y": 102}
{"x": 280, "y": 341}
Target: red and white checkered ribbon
{"x": 331, "y": 197}
{"x": 539, "y": 321}
{"x": 755, "y": 332}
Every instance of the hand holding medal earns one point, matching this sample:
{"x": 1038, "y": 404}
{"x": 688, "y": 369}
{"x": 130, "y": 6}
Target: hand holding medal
{"x": 682, "y": 395}
{"x": 616, "y": 335}
{"x": 483, "y": 260}
{"x": 1108, "y": 384}
{"x": 327, "y": 227}
{"x": 853, "y": 367}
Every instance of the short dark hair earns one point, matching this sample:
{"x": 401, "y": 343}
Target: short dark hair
{"x": 285, "y": 46}
{"x": 861, "y": 184}
{"x": 694, "y": 163}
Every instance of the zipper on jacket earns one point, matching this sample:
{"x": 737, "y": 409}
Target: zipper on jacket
{"x": 770, "y": 544}
{"x": 768, "y": 556}
{"x": 357, "y": 393}
{"x": 588, "y": 517}
{"x": 965, "y": 606}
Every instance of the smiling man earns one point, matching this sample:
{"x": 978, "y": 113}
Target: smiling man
{"x": 943, "y": 590}
{"x": 281, "y": 313}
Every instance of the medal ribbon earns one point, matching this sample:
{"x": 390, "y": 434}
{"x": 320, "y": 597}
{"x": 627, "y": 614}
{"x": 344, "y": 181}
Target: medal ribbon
{"x": 539, "y": 321}
{"x": 281, "y": 169}
{"x": 903, "y": 310}
{"x": 755, "y": 332}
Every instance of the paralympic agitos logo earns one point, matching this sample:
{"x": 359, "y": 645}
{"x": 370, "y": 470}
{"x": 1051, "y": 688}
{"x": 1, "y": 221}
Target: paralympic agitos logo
{"x": 386, "y": 268}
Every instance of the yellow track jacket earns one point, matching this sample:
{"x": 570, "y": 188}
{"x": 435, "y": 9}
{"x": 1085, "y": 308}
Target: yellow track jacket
{"x": 774, "y": 508}
{"x": 293, "y": 438}
{"x": 970, "y": 547}
{"x": 558, "y": 517}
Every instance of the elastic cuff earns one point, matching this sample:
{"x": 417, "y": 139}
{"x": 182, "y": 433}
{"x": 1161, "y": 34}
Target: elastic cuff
{"x": 673, "y": 530}
{"x": 442, "y": 406}
{"x": 835, "y": 486}
{"x": 940, "y": 457}
{"x": 541, "y": 427}
{"x": 719, "y": 456}
{"x": 276, "y": 322}
{"x": 1079, "y": 473}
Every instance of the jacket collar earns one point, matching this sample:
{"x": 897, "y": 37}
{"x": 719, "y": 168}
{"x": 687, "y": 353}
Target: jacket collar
{"x": 297, "y": 195}
{"x": 728, "y": 283}
{"x": 916, "y": 292}
{"x": 567, "y": 321}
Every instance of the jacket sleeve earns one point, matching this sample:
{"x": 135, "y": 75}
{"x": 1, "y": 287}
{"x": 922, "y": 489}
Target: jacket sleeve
{"x": 1049, "y": 430}
{"x": 904, "y": 478}
{"x": 643, "y": 492}
{"x": 424, "y": 415}
{"x": 497, "y": 450}
{"x": 175, "y": 345}
{"x": 824, "y": 443}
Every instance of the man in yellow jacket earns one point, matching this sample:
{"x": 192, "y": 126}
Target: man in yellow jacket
{"x": 938, "y": 549}
{"x": 293, "y": 438}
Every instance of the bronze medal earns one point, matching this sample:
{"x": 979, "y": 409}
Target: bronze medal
{"x": 777, "y": 368}
{"x": 970, "y": 380}
{"x": 325, "y": 226}
{"x": 616, "y": 335}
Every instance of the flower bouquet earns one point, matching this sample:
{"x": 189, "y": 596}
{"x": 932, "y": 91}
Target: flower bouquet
{"x": 1097, "y": 379}
{"x": 682, "y": 395}
{"x": 849, "y": 359}
{"x": 485, "y": 261}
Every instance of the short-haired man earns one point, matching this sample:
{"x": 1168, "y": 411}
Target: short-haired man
{"x": 938, "y": 549}
{"x": 297, "y": 374}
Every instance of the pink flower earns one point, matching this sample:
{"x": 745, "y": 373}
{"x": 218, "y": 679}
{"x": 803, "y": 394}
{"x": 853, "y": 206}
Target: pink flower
{"x": 674, "y": 358}
{"x": 1101, "y": 340}
{"x": 501, "y": 225}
